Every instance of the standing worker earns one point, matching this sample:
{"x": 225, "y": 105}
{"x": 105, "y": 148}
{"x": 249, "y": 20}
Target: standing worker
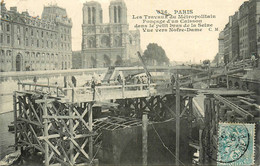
{"x": 253, "y": 60}
{"x": 74, "y": 81}
{"x": 99, "y": 80}
{"x": 172, "y": 79}
{"x": 35, "y": 79}
{"x": 93, "y": 84}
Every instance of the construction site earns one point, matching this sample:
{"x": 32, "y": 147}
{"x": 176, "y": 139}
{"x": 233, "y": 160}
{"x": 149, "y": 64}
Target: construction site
{"x": 168, "y": 119}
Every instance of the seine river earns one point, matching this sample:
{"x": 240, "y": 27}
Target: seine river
{"x": 6, "y": 138}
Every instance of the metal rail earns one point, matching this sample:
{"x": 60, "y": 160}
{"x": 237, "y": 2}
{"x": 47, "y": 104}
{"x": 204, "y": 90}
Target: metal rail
{"x": 235, "y": 107}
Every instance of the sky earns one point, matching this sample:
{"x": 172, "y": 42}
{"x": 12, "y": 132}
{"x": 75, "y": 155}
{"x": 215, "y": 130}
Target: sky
{"x": 179, "y": 46}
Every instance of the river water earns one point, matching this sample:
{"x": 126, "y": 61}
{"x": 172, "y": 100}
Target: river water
{"x": 6, "y": 137}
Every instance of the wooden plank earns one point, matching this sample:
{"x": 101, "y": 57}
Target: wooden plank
{"x": 82, "y": 120}
{"x": 35, "y": 113}
{"x": 246, "y": 98}
{"x": 60, "y": 117}
{"x": 90, "y": 123}
{"x": 35, "y": 135}
{"x": 82, "y": 146}
{"x": 28, "y": 121}
{"x": 15, "y": 120}
{"x": 52, "y": 146}
{"x": 178, "y": 104}
{"x": 80, "y": 149}
{"x": 71, "y": 130}
{"x": 46, "y": 133}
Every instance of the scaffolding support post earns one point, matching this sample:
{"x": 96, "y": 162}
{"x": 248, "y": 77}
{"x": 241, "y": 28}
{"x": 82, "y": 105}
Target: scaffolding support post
{"x": 90, "y": 121}
{"x": 72, "y": 132}
{"x": 178, "y": 104}
{"x": 15, "y": 119}
{"x": 46, "y": 133}
{"x": 144, "y": 140}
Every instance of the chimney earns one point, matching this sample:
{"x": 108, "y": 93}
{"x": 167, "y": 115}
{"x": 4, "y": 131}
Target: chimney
{"x": 13, "y": 9}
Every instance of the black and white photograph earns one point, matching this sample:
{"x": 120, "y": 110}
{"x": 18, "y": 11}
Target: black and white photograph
{"x": 129, "y": 82}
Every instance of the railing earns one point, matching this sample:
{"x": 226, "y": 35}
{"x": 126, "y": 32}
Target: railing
{"x": 99, "y": 93}
{"x": 50, "y": 89}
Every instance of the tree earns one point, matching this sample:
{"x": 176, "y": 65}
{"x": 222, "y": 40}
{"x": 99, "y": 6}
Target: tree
{"x": 155, "y": 53}
{"x": 206, "y": 62}
{"x": 119, "y": 61}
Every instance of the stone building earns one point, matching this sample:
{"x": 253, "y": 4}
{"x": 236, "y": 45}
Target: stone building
{"x": 243, "y": 31}
{"x": 253, "y": 26}
{"x": 31, "y": 43}
{"x": 220, "y": 55}
{"x": 227, "y": 43}
{"x": 235, "y": 36}
{"x": 105, "y": 44}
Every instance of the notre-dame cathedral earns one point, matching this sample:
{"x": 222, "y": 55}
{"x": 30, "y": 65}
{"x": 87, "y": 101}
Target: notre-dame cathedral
{"x": 104, "y": 44}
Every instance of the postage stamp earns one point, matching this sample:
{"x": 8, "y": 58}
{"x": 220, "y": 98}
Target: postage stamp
{"x": 236, "y": 144}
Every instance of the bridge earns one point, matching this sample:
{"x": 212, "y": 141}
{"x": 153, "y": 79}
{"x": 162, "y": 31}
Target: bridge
{"x": 111, "y": 72}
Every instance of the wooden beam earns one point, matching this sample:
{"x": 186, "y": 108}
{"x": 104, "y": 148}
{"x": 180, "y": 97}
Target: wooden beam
{"x": 71, "y": 123}
{"x": 144, "y": 140}
{"x": 46, "y": 133}
{"x": 178, "y": 104}
{"x": 15, "y": 120}
{"x": 90, "y": 123}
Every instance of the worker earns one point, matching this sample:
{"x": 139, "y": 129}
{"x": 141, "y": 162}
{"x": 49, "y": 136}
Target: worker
{"x": 172, "y": 80}
{"x": 119, "y": 79}
{"x": 74, "y": 81}
{"x": 35, "y": 79}
{"x": 93, "y": 82}
{"x": 99, "y": 80}
{"x": 253, "y": 60}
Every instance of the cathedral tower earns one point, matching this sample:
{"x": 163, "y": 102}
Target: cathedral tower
{"x": 118, "y": 12}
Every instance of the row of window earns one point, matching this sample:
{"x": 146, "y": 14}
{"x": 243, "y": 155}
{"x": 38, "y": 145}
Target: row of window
{"x": 4, "y": 40}
{"x": 32, "y": 42}
{"x": 8, "y": 53}
{"x": 34, "y": 22}
{"x": 38, "y": 33}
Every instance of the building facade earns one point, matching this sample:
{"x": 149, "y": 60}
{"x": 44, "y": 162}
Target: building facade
{"x": 220, "y": 54}
{"x": 235, "y": 36}
{"x": 31, "y": 43}
{"x": 227, "y": 43}
{"x": 242, "y": 32}
{"x": 107, "y": 44}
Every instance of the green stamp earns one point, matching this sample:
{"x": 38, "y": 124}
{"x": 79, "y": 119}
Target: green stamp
{"x": 236, "y": 144}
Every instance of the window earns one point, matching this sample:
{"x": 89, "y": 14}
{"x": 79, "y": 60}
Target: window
{"x": 7, "y": 27}
{"x": 38, "y": 44}
{"x": 8, "y": 39}
{"x": 1, "y": 26}
{"x": 32, "y": 42}
{"x": 1, "y": 38}
{"x": 18, "y": 29}
{"x": 26, "y": 31}
{"x": 32, "y": 32}
{"x": 42, "y": 33}
{"x": 19, "y": 41}
{"x": 27, "y": 42}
